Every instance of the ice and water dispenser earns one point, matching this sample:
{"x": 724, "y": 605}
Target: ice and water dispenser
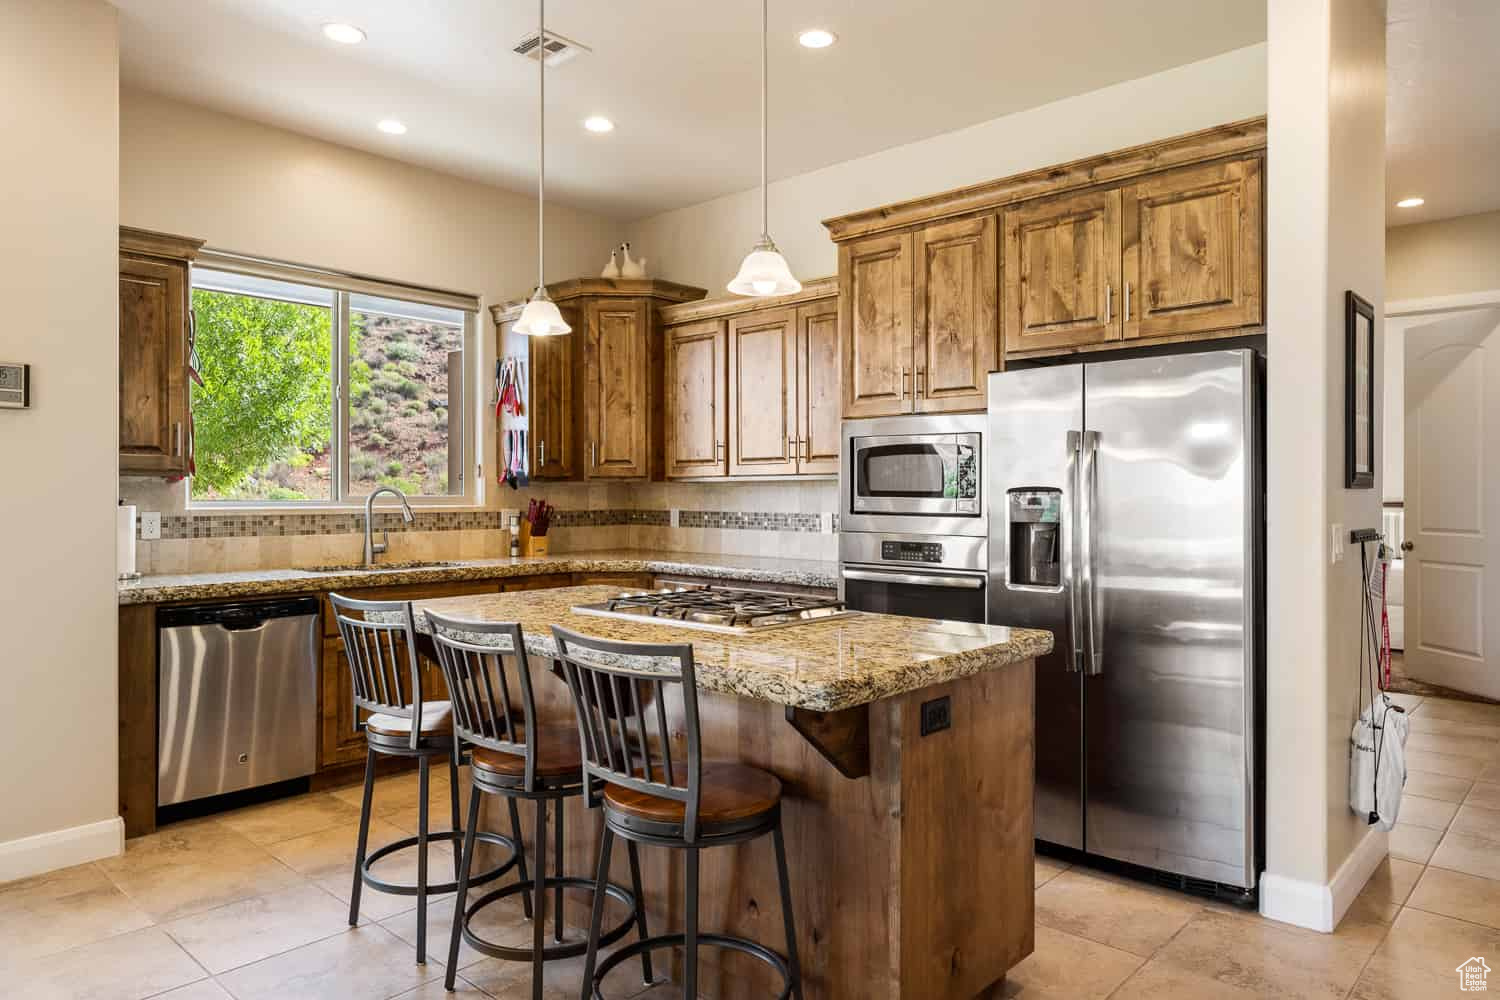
{"x": 1035, "y": 542}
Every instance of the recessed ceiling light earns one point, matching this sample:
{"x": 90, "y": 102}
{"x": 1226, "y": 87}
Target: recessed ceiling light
{"x": 346, "y": 34}
{"x": 1411, "y": 202}
{"x": 391, "y": 126}
{"x": 598, "y": 123}
{"x": 817, "y": 38}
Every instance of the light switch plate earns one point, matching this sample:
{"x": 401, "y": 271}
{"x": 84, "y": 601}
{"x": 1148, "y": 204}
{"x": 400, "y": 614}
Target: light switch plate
{"x": 150, "y": 525}
{"x": 1337, "y": 540}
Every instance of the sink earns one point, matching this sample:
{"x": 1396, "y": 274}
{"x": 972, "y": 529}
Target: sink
{"x": 362, "y": 568}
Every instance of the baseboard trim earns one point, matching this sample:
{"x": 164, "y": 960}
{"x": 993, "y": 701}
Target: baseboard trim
{"x": 74, "y": 845}
{"x": 1320, "y": 907}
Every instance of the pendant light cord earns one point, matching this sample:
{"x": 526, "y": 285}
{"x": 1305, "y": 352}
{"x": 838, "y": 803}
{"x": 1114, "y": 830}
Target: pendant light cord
{"x": 541, "y": 152}
{"x": 765, "y": 212}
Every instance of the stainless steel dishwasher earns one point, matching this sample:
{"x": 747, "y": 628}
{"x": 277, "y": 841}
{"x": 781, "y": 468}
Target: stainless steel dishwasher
{"x": 237, "y": 703}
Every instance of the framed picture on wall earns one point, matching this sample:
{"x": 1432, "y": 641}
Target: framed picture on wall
{"x": 1359, "y": 393}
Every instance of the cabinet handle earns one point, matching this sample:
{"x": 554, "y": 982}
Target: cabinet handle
{"x": 719, "y": 450}
{"x": 177, "y": 439}
{"x": 1109, "y": 294}
{"x": 542, "y": 461}
{"x": 1127, "y": 302}
{"x": 903, "y": 383}
{"x": 921, "y": 373}
{"x": 593, "y": 455}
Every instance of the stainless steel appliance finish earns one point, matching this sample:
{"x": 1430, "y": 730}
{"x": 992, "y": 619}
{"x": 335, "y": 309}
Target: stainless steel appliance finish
{"x": 1147, "y": 714}
{"x": 925, "y": 576}
{"x": 918, "y": 473}
{"x": 238, "y": 697}
{"x": 719, "y": 609}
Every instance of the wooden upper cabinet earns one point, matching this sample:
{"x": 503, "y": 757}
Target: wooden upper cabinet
{"x": 956, "y": 288}
{"x": 1062, "y": 272}
{"x": 1192, "y": 250}
{"x": 551, "y": 436}
{"x": 155, "y": 332}
{"x": 697, "y": 415}
{"x": 819, "y": 405}
{"x": 762, "y": 393}
{"x": 616, "y": 405}
{"x": 875, "y": 325}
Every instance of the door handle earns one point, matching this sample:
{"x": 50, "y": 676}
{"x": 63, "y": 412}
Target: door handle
{"x": 1408, "y": 546}
{"x": 1092, "y": 616}
{"x": 1075, "y": 661}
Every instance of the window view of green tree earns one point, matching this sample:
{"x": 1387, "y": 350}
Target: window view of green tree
{"x": 262, "y": 417}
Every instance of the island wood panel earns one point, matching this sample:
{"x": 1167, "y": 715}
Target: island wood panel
{"x": 153, "y": 365}
{"x": 697, "y": 413}
{"x": 762, "y": 393}
{"x": 956, "y": 289}
{"x": 914, "y": 882}
{"x": 1192, "y": 250}
{"x": 1062, "y": 272}
{"x": 550, "y": 409}
{"x": 819, "y": 400}
{"x": 537, "y": 582}
{"x": 617, "y": 401}
{"x": 137, "y": 700}
{"x": 875, "y": 325}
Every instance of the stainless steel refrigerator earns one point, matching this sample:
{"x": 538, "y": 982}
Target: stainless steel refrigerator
{"x": 1126, "y": 511}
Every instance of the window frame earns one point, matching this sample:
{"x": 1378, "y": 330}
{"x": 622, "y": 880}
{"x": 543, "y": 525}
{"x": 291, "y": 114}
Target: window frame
{"x": 343, "y": 287}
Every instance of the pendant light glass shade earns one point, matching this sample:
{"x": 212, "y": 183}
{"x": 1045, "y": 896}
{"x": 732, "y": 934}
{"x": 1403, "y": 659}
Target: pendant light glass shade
{"x": 541, "y": 318}
{"x": 764, "y": 271}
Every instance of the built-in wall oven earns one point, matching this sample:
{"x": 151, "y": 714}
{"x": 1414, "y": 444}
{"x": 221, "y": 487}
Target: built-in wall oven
{"x": 913, "y": 531}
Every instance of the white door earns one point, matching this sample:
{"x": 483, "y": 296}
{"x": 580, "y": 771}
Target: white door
{"x": 1453, "y": 499}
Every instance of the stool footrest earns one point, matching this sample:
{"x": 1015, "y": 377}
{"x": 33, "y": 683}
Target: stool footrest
{"x": 438, "y": 888}
{"x": 569, "y": 949}
{"x": 743, "y": 945}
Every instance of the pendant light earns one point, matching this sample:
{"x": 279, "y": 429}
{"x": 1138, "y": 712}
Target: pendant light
{"x": 541, "y": 318}
{"x": 764, "y": 271}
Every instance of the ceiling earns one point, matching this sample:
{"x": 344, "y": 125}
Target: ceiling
{"x": 680, "y": 78}
{"x": 1442, "y": 112}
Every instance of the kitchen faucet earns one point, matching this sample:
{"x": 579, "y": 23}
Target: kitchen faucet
{"x": 372, "y": 547}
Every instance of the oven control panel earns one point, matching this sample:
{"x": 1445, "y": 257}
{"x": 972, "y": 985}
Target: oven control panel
{"x": 926, "y": 552}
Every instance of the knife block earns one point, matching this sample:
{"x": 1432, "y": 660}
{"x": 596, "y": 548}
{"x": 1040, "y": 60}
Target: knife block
{"x": 532, "y": 545}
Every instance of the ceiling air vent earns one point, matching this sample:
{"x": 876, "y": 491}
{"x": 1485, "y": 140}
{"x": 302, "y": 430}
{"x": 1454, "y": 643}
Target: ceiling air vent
{"x": 559, "y": 48}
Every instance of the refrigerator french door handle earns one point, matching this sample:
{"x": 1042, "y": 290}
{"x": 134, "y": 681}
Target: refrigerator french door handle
{"x": 1089, "y": 499}
{"x": 1075, "y": 661}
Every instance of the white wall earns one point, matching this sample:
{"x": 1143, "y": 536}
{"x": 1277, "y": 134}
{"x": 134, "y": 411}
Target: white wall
{"x": 1448, "y": 257}
{"x": 703, "y": 244}
{"x": 256, "y": 189}
{"x": 1325, "y": 196}
{"x": 59, "y": 260}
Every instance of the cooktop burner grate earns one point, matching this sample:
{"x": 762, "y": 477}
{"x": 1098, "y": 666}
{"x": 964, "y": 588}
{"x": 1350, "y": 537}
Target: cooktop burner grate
{"x": 723, "y": 608}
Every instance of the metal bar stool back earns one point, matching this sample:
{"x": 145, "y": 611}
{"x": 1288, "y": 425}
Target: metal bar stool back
{"x": 517, "y": 756}
{"x": 385, "y": 673}
{"x": 652, "y": 795}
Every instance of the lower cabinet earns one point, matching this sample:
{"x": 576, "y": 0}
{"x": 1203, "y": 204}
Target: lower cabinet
{"x": 342, "y": 740}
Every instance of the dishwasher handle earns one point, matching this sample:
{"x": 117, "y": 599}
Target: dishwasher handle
{"x": 237, "y": 616}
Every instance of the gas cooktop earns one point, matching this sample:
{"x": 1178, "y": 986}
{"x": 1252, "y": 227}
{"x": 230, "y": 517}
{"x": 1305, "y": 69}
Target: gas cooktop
{"x": 720, "y": 609}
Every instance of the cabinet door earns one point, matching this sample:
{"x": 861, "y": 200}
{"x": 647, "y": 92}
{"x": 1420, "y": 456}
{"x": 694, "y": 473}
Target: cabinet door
{"x": 343, "y": 741}
{"x": 1062, "y": 272}
{"x": 956, "y": 290}
{"x": 616, "y": 372}
{"x": 153, "y": 366}
{"x": 875, "y": 325}
{"x": 762, "y": 393}
{"x": 550, "y": 406}
{"x": 697, "y": 416}
{"x": 1192, "y": 243}
{"x": 818, "y": 402}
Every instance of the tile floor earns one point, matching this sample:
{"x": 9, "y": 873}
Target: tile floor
{"x": 253, "y": 904}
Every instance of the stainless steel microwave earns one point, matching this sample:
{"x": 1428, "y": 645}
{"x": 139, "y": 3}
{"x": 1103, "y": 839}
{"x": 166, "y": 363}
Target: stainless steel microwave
{"x": 913, "y": 468}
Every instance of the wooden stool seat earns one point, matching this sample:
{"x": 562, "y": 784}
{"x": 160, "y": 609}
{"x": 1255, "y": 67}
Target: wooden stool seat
{"x": 556, "y": 749}
{"x": 437, "y": 720}
{"x": 731, "y": 793}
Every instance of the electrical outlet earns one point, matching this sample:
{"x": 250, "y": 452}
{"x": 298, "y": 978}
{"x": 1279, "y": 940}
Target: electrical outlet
{"x": 1337, "y": 541}
{"x": 150, "y": 525}
{"x": 937, "y": 715}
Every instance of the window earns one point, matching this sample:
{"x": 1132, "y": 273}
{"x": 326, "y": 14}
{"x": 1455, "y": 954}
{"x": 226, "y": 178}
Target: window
{"x": 321, "y": 390}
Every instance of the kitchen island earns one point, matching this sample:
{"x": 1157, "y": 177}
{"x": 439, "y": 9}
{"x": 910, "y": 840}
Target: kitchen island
{"x": 905, "y": 748}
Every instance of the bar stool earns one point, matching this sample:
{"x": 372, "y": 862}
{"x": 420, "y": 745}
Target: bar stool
{"x": 380, "y": 645}
{"x": 649, "y": 798}
{"x": 516, "y": 756}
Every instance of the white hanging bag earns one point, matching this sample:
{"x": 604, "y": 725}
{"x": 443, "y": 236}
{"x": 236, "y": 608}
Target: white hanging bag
{"x": 1377, "y": 762}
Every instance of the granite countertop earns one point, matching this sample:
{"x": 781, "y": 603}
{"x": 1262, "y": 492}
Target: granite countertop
{"x": 256, "y": 583}
{"x": 824, "y": 666}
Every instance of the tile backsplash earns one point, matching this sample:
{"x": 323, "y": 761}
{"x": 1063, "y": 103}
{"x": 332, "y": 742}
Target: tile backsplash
{"x": 789, "y": 519}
